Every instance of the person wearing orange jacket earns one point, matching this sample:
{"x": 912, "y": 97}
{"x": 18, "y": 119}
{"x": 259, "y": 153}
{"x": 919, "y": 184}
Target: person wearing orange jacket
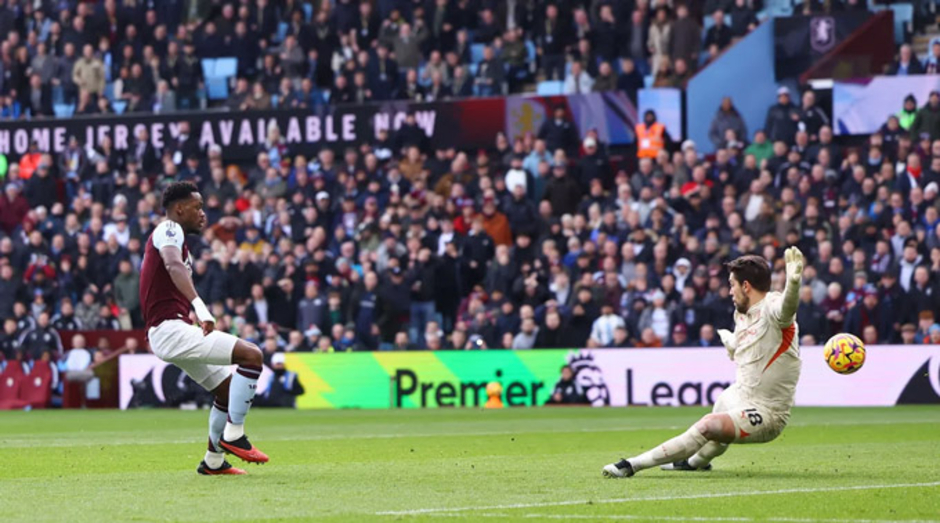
{"x": 650, "y": 136}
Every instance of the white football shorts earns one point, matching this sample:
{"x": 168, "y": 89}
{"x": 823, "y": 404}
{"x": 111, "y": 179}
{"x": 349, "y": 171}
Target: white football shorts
{"x": 205, "y": 359}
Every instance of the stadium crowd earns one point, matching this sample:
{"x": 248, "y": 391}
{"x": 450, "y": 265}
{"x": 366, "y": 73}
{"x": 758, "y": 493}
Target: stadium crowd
{"x": 540, "y": 241}
{"x": 69, "y": 57}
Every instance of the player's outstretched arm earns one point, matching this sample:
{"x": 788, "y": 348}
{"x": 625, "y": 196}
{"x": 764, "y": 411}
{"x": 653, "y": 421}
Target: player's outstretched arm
{"x": 791, "y": 292}
{"x": 173, "y": 261}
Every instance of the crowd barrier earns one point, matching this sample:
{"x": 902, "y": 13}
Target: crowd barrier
{"x": 891, "y": 375}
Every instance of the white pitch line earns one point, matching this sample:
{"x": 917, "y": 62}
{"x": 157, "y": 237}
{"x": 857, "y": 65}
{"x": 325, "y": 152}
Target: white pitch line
{"x": 631, "y": 517}
{"x": 656, "y": 498}
{"x": 65, "y": 442}
{"x": 105, "y": 441}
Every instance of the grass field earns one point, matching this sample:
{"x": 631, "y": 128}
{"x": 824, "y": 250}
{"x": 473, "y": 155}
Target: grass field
{"x": 829, "y": 465}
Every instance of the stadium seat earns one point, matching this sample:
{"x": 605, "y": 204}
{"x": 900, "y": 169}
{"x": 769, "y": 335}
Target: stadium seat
{"x": 217, "y": 88}
{"x": 648, "y": 81}
{"x": 217, "y": 72}
{"x": 472, "y": 69}
{"x": 36, "y": 387}
{"x": 208, "y": 67}
{"x": 64, "y": 110}
{"x": 274, "y": 101}
{"x": 10, "y": 380}
{"x": 308, "y": 11}
{"x": 281, "y": 32}
{"x": 550, "y": 87}
{"x": 226, "y": 66}
{"x": 119, "y": 106}
{"x": 476, "y": 53}
{"x": 421, "y": 80}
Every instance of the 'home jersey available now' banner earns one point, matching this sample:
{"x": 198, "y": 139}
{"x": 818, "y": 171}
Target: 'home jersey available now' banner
{"x": 467, "y": 123}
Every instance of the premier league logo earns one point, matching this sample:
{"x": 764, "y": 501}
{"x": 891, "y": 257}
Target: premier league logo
{"x": 589, "y": 378}
{"x": 822, "y": 33}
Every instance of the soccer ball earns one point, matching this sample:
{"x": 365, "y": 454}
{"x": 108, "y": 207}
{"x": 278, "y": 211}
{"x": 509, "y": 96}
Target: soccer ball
{"x": 844, "y": 353}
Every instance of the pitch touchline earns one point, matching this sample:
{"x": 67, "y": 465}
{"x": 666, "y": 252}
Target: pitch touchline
{"x": 656, "y": 498}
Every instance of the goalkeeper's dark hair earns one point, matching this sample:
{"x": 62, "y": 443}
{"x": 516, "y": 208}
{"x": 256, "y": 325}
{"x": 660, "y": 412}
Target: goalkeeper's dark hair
{"x": 177, "y": 191}
{"x": 752, "y": 269}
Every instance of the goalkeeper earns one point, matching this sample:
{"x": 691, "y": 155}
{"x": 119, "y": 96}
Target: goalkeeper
{"x": 765, "y": 348}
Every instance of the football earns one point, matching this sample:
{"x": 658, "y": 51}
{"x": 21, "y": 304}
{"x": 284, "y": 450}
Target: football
{"x": 844, "y": 353}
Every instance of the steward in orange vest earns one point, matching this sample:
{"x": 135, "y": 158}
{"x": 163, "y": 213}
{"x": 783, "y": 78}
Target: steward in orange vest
{"x": 650, "y": 136}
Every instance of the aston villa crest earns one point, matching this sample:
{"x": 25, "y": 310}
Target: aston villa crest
{"x": 822, "y": 33}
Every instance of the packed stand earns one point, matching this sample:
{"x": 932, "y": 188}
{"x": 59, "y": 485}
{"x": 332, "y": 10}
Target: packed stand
{"x": 87, "y": 58}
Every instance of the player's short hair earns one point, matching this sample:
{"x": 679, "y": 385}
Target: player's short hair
{"x": 177, "y": 191}
{"x": 752, "y": 269}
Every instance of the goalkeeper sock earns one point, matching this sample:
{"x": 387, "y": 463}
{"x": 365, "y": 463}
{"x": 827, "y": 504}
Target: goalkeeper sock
{"x": 241, "y": 393}
{"x": 676, "y": 449}
{"x": 706, "y": 454}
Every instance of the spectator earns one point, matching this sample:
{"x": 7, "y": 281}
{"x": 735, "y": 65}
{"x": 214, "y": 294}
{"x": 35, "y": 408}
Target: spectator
{"x": 908, "y": 332}
{"x": 811, "y": 317}
{"x": 490, "y": 79}
{"x": 727, "y": 118}
{"x": 41, "y": 188}
{"x": 407, "y": 46}
{"x": 927, "y": 120}
{"x": 39, "y": 101}
{"x": 718, "y": 35}
{"x": 527, "y": 335}
{"x": 660, "y": 38}
{"x": 906, "y": 64}
{"x": 743, "y": 18}
{"x": 649, "y": 340}
{"x": 164, "y": 100}
{"x": 866, "y": 313}
{"x": 685, "y": 38}
{"x": 551, "y": 334}
{"x": 88, "y": 72}
{"x": 578, "y": 81}
{"x": 680, "y": 336}
{"x": 558, "y": 132}
{"x": 552, "y": 37}
{"x": 629, "y": 79}
{"x": 562, "y": 192}
{"x": 13, "y": 208}
{"x": 812, "y": 118}
{"x": 41, "y": 339}
{"x": 9, "y": 341}
{"x": 602, "y": 331}
{"x": 707, "y": 337}
{"x": 782, "y": 119}
{"x": 925, "y": 321}
{"x": 127, "y": 295}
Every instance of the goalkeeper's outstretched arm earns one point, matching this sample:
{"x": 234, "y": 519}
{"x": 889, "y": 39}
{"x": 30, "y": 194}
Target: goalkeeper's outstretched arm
{"x": 791, "y": 292}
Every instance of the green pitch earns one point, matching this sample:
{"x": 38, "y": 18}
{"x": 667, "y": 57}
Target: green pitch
{"x": 471, "y": 465}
